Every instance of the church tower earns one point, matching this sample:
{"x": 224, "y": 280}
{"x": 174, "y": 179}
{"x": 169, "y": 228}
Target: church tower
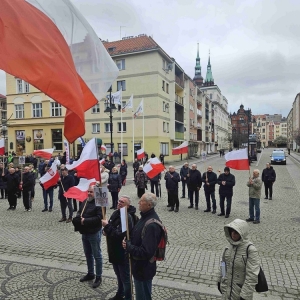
{"x": 209, "y": 80}
{"x": 198, "y": 79}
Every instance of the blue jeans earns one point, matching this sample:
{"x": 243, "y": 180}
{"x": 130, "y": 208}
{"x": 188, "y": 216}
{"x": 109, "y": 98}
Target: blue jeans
{"x": 143, "y": 289}
{"x": 91, "y": 246}
{"x": 45, "y": 196}
{"x": 254, "y": 203}
{"x": 228, "y": 206}
{"x": 123, "y": 277}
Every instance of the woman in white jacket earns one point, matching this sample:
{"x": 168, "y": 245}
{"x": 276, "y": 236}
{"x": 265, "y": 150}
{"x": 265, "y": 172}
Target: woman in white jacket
{"x": 104, "y": 175}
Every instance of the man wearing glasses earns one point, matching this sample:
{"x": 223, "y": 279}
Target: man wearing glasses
{"x": 116, "y": 253}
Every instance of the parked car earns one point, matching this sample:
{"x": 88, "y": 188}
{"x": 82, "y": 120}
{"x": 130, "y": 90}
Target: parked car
{"x": 278, "y": 157}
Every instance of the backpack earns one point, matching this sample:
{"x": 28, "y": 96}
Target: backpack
{"x": 160, "y": 252}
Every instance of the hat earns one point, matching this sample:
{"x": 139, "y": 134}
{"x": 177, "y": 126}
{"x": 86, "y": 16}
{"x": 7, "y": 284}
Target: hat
{"x": 226, "y": 169}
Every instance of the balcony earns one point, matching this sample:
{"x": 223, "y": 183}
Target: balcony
{"x": 179, "y": 117}
{"x": 179, "y": 81}
{"x": 206, "y": 117}
{"x": 199, "y": 125}
{"x": 207, "y": 140}
{"x": 179, "y": 135}
{"x": 179, "y": 100}
{"x": 199, "y": 135}
{"x": 206, "y": 128}
{"x": 199, "y": 112}
{"x": 199, "y": 101}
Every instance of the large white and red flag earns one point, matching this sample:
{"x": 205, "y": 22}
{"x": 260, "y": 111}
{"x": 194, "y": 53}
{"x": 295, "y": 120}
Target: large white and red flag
{"x": 51, "y": 177}
{"x": 183, "y": 148}
{"x": 237, "y": 160}
{"x": 87, "y": 166}
{"x": 2, "y": 146}
{"x": 80, "y": 191}
{"x": 140, "y": 153}
{"x": 43, "y": 42}
{"x": 154, "y": 167}
{"x": 44, "y": 153}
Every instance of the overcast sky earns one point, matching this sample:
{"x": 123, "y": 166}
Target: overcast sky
{"x": 254, "y": 45}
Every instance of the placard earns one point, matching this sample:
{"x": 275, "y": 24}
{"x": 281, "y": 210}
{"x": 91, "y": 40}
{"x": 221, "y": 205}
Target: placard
{"x": 21, "y": 160}
{"x": 101, "y": 196}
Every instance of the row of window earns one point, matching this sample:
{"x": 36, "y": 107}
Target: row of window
{"x": 107, "y": 128}
{"x": 37, "y": 110}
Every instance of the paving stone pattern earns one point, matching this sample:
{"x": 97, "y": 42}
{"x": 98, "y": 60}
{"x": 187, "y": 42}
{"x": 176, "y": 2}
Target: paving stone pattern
{"x": 193, "y": 255}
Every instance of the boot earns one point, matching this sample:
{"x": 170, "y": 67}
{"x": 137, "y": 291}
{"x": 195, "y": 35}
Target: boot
{"x": 97, "y": 282}
{"x": 176, "y": 209}
{"x": 172, "y": 208}
{"x": 87, "y": 277}
{"x": 116, "y": 297}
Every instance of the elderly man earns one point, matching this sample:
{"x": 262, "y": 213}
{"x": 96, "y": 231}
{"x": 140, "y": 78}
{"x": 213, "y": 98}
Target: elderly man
{"x": 116, "y": 253}
{"x": 142, "y": 249}
{"x": 27, "y": 185}
{"x": 254, "y": 185}
{"x": 184, "y": 171}
{"x": 90, "y": 216}
{"x": 172, "y": 179}
{"x": 209, "y": 180}
{"x": 194, "y": 185}
{"x": 13, "y": 182}
{"x": 268, "y": 177}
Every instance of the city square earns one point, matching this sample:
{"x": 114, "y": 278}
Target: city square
{"x": 43, "y": 259}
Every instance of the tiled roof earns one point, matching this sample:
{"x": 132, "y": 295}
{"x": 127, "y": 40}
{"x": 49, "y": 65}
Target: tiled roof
{"x": 2, "y": 96}
{"x": 129, "y": 45}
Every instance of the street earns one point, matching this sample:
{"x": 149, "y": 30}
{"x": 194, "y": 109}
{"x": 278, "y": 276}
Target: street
{"x": 41, "y": 258}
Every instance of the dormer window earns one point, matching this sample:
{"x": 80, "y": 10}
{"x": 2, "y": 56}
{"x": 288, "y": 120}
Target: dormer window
{"x": 111, "y": 49}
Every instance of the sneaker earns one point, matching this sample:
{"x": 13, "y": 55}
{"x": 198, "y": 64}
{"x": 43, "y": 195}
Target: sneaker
{"x": 13, "y": 208}
{"x": 116, "y": 297}
{"x": 196, "y": 208}
{"x": 69, "y": 220}
{"x": 25, "y": 209}
{"x": 249, "y": 220}
{"x": 191, "y": 206}
{"x": 97, "y": 282}
{"x": 221, "y": 214}
{"x": 176, "y": 209}
{"x": 45, "y": 209}
{"x": 62, "y": 220}
{"x": 29, "y": 209}
{"x": 266, "y": 198}
{"x": 213, "y": 212}
{"x": 87, "y": 277}
{"x": 256, "y": 222}
{"x": 207, "y": 210}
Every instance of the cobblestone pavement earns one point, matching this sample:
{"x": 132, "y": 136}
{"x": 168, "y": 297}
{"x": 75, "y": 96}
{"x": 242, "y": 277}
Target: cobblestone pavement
{"x": 52, "y": 251}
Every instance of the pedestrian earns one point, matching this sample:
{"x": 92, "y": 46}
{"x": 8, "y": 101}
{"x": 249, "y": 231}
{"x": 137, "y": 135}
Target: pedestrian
{"x": 13, "y": 181}
{"x": 27, "y": 183}
{"x": 104, "y": 176}
{"x": 116, "y": 156}
{"x": 226, "y": 182}
{"x": 184, "y": 171}
{"x": 41, "y": 167}
{"x": 114, "y": 186}
{"x": 194, "y": 183}
{"x": 141, "y": 248}
{"x": 141, "y": 180}
{"x": 109, "y": 165}
{"x": 210, "y": 180}
{"x": 240, "y": 263}
{"x": 65, "y": 182}
{"x": 117, "y": 255}
{"x": 146, "y": 158}
{"x": 254, "y": 185}
{"x": 49, "y": 192}
{"x": 89, "y": 217}
{"x": 268, "y": 177}
{"x": 123, "y": 171}
{"x": 3, "y": 184}
{"x": 154, "y": 182}
{"x": 172, "y": 179}
{"x": 135, "y": 166}
{"x": 162, "y": 158}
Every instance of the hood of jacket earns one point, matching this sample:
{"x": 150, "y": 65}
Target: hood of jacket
{"x": 239, "y": 226}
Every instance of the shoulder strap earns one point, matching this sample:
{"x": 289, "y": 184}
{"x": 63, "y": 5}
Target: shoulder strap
{"x": 149, "y": 222}
{"x": 248, "y": 248}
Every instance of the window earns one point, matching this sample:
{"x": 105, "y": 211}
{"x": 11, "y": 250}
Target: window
{"x": 55, "y": 109}
{"x": 19, "y": 111}
{"x": 210, "y": 96}
{"x": 163, "y": 64}
{"x": 120, "y": 64}
{"x": 163, "y": 85}
{"x": 123, "y": 148}
{"x": 164, "y": 148}
{"x": 167, "y": 88}
{"x": 165, "y": 127}
{"x": 123, "y": 129}
{"x": 96, "y": 128}
{"x": 57, "y": 139}
{"x": 107, "y": 127}
{"x": 19, "y": 86}
{"x": 96, "y": 109}
{"x": 121, "y": 85}
{"x": 165, "y": 107}
{"x": 95, "y": 87}
{"x": 37, "y": 110}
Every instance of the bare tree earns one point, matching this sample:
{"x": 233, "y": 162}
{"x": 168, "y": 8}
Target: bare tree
{"x": 296, "y": 136}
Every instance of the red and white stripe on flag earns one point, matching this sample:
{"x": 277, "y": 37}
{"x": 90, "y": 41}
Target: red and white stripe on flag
{"x": 183, "y": 148}
{"x": 44, "y": 153}
{"x": 51, "y": 177}
{"x": 237, "y": 160}
{"x": 80, "y": 191}
{"x": 154, "y": 167}
{"x": 140, "y": 153}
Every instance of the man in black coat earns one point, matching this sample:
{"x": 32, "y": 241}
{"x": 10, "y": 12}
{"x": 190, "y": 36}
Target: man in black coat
{"x": 268, "y": 177}
{"x": 66, "y": 181}
{"x": 226, "y": 182}
{"x": 172, "y": 179}
{"x": 194, "y": 183}
{"x": 184, "y": 171}
{"x": 135, "y": 166}
{"x": 154, "y": 183}
{"x": 13, "y": 182}
{"x": 142, "y": 249}
{"x": 27, "y": 183}
{"x": 209, "y": 180}
{"x": 117, "y": 255}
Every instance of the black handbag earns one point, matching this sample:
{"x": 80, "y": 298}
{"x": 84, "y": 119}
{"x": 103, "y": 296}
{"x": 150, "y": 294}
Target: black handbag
{"x": 262, "y": 285}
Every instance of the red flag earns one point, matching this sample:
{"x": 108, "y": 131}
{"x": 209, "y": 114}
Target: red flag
{"x": 154, "y": 167}
{"x": 237, "y": 160}
{"x": 33, "y": 49}
{"x": 51, "y": 177}
{"x": 44, "y": 153}
{"x": 79, "y": 192}
{"x": 183, "y": 148}
{"x": 87, "y": 166}
{"x": 2, "y": 146}
{"x": 140, "y": 153}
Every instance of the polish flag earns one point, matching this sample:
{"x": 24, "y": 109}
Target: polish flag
{"x": 237, "y": 160}
{"x": 2, "y": 146}
{"x": 102, "y": 161}
{"x": 103, "y": 148}
{"x": 44, "y": 153}
{"x": 87, "y": 166}
{"x": 183, "y": 148}
{"x": 154, "y": 167}
{"x": 80, "y": 191}
{"x": 140, "y": 153}
{"x": 51, "y": 177}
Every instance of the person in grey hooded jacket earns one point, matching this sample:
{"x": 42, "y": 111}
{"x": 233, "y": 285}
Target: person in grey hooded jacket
{"x": 238, "y": 273}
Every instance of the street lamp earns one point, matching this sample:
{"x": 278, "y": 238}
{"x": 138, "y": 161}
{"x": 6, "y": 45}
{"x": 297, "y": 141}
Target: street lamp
{"x": 110, "y": 108}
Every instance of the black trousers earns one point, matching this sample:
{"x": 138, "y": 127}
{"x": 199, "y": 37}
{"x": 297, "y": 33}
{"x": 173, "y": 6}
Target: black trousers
{"x": 27, "y": 198}
{"x": 173, "y": 198}
{"x": 268, "y": 188}
{"x": 184, "y": 185}
{"x": 140, "y": 192}
{"x": 12, "y": 199}
{"x": 154, "y": 184}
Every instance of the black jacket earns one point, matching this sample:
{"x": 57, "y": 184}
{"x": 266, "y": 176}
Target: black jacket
{"x": 92, "y": 217}
{"x": 142, "y": 250}
{"x": 183, "y": 173}
{"x": 172, "y": 180}
{"x": 3, "y": 184}
{"x": 13, "y": 181}
{"x": 115, "y": 182}
{"x": 227, "y": 189}
{"x": 28, "y": 181}
{"x": 212, "y": 179}
{"x": 114, "y": 235}
{"x": 194, "y": 181}
{"x": 109, "y": 165}
{"x": 268, "y": 175}
{"x": 67, "y": 182}
{"x": 136, "y": 165}
{"x": 156, "y": 178}
{"x": 123, "y": 170}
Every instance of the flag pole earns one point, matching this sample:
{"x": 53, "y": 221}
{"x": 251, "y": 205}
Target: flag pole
{"x": 121, "y": 156}
{"x": 132, "y": 134}
{"x": 143, "y": 127}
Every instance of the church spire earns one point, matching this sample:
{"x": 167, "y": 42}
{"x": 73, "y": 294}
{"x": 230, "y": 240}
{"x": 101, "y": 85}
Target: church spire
{"x": 198, "y": 78}
{"x": 209, "y": 80}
